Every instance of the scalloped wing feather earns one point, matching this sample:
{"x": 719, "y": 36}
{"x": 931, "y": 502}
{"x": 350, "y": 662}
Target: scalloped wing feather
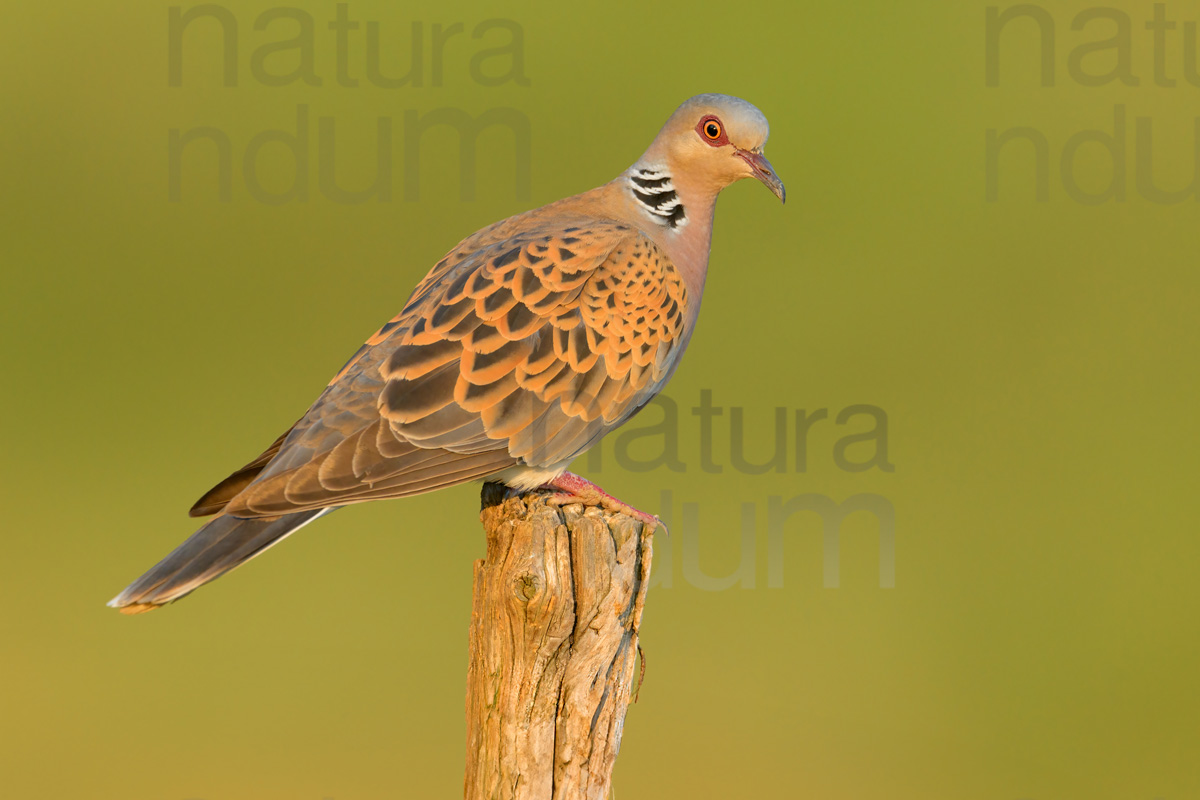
{"x": 523, "y": 346}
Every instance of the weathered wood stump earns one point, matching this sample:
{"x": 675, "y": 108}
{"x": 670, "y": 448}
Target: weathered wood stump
{"x": 554, "y": 638}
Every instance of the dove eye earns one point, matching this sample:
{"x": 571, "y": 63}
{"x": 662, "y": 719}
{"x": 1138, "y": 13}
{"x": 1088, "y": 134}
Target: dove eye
{"x": 712, "y": 131}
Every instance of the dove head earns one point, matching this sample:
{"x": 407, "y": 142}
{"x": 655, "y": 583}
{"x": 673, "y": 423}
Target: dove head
{"x": 711, "y": 141}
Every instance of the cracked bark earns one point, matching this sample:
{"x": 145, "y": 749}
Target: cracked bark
{"x": 553, "y": 642}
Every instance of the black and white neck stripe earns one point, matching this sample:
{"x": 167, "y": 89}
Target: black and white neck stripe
{"x": 652, "y": 189}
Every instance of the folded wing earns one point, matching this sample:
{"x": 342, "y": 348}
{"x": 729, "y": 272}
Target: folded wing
{"x": 519, "y": 348}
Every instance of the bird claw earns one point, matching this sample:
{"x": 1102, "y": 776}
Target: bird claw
{"x": 608, "y": 504}
{"x": 570, "y": 488}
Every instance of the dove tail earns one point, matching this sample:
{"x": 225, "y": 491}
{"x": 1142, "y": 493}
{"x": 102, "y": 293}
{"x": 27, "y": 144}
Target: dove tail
{"x": 210, "y": 552}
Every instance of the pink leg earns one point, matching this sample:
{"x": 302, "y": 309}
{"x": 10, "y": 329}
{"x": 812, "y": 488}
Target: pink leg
{"x": 571, "y": 488}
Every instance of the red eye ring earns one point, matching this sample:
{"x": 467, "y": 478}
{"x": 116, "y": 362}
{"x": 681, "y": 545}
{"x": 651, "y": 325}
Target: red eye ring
{"x": 712, "y": 131}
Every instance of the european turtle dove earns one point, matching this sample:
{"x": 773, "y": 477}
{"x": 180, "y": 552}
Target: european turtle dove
{"x": 526, "y": 344}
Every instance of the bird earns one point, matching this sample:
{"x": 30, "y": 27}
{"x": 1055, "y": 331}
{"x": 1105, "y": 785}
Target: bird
{"x": 529, "y": 341}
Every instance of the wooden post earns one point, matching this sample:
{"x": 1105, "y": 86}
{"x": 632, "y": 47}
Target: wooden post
{"x": 554, "y": 638}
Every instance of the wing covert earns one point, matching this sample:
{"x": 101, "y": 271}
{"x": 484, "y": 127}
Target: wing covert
{"x": 525, "y": 350}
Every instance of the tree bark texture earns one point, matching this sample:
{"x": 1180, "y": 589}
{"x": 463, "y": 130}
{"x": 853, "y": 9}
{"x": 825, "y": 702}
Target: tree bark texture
{"x": 553, "y": 643}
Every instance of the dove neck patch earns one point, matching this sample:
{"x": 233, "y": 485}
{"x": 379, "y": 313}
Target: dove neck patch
{"x": 654, "y": 192}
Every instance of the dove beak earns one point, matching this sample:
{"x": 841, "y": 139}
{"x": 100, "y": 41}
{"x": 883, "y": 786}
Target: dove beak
{"x": 764, "y": 172}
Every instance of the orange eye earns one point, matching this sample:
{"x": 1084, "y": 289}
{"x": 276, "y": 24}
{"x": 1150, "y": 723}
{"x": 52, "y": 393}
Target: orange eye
{"x": 712, "y": 129}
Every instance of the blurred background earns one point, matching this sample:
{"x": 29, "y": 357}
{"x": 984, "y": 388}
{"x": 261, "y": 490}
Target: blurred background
{"x": 1024, "y": 332}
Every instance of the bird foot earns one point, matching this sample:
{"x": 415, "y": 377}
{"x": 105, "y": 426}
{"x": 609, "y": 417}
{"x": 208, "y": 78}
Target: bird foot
{"x": 571, "y": 488}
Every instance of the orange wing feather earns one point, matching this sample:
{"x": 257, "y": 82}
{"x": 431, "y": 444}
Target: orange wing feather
{"x": 518, "y": 348}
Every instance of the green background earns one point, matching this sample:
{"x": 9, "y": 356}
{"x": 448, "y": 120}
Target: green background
{"x": 1036, "y": 362}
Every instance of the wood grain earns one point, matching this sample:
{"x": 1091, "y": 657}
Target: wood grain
{"x": 553, "y": 643}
